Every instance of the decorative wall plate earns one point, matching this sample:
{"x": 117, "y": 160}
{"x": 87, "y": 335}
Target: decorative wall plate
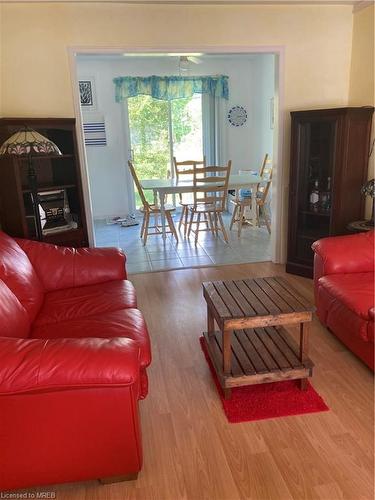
{"x": 237, "y": 116}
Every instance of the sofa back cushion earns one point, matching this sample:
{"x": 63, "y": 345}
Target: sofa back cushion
{"x": 18, "y": 274}
{"x": 353, "y": 253}
{"x": 14, "y": 320}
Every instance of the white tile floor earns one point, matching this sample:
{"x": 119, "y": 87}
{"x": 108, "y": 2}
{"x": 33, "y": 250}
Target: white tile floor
{"x": 252, "y": 246}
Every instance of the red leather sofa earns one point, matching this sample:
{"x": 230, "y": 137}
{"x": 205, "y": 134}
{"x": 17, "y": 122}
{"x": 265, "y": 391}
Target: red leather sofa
{"x": 74, "y": 350}
{"x": 344, "y": 290}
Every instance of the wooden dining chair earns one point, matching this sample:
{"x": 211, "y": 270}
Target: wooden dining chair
{"x": 185, "y": 170}
{"x": 261, "y": 199}
{"x": 266, "y": 165}
{"x": 261, "y": 195}
{"x": 150, "y": 209}
{"x": 210, "y": 196}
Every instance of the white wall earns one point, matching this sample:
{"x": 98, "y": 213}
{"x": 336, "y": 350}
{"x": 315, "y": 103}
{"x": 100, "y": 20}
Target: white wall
{"x": 251, "y": 84}
{"x": 362, "y": 84}
{"x": 106, "y": 164}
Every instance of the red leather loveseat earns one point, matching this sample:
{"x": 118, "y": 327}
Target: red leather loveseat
{"x": 344, "y": 290}
{"x": 73, "y": 355}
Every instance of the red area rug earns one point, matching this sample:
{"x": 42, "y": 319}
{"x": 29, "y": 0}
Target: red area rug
{"x": 262, "y": 401}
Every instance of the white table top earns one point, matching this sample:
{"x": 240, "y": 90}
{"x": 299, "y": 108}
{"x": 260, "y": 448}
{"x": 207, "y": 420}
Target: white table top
{"x": 236, "y": 181}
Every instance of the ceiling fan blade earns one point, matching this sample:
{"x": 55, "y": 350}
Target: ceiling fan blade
{"x": 195, "y": 60}
{"x": 184, "y": 63}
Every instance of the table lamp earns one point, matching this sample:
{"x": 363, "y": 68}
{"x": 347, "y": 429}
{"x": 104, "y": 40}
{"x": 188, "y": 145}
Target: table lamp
{"x": 368, "y": 189}
{"x": 29, "y": 143}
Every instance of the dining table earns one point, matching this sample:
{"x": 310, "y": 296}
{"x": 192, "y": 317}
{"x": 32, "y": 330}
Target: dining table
{"x": 163, "y": 187}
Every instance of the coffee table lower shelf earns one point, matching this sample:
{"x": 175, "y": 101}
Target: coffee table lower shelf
{"x": 259, "y": 355}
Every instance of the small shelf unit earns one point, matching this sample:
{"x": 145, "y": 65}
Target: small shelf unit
{"x": 53, "y": 173}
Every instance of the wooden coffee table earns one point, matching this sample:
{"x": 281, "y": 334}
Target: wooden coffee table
{"x": 252, "y": 346}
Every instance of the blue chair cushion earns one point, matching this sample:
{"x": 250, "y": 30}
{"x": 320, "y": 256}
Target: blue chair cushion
{"x": 245, "y": 193}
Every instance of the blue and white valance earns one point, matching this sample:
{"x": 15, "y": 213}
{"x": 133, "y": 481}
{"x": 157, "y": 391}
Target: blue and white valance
{"x": 167, "y": 88}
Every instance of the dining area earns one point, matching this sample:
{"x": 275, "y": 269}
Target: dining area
{"x": 204, "y": 194}
{"x": 201, "y": 216}
{"x": 195, "y": 192}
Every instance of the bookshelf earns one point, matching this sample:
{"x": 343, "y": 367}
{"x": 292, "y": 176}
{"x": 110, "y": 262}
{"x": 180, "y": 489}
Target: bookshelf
{"x": 53, "y": 173}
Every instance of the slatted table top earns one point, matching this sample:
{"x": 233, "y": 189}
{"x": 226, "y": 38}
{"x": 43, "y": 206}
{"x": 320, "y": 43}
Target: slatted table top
{"x": 254, "y": 298}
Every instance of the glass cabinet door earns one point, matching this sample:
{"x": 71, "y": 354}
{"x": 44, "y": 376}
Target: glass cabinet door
{"x": 314, "y": 184}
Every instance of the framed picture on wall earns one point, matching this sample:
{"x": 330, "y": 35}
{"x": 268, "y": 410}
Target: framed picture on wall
{"x": 87, "y": 93}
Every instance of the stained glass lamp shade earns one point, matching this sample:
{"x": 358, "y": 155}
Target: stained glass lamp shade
{"x": 29, "y": 143}
{"x": 368, "y": 189}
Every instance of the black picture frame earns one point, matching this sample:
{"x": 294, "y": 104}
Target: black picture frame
{"x": 86, "y": 93}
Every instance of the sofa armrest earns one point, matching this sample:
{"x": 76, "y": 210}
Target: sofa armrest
{"x": 371, "y": 313}
{"x": 353, "y": 253}
{"x": 63, "y": 267}
{"x": 36, "y": 365}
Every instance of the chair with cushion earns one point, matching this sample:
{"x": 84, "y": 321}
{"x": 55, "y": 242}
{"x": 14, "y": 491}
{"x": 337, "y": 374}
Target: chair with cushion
{"x": 150, "y": 209}
{"x": 344, "y": 290}
{"x": 74, "y": 350}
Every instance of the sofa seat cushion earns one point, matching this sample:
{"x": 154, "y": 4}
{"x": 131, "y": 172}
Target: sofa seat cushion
{"x": 345, "y": 301}
{"x": 127, "y": 323}
{"x": 85, "y": 301}
{"x": 355, "y": 291}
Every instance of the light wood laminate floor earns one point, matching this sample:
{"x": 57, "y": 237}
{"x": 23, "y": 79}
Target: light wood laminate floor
{"x": 192, "y": 452}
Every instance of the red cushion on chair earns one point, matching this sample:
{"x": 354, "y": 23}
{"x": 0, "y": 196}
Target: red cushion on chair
{"x": 127, "y": 323}
{"x": 85, "y": 301}
{"x": 355, "y": 291}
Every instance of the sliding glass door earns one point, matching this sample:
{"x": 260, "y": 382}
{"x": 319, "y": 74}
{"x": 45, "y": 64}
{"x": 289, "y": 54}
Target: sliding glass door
{"x": 160, "y": 130}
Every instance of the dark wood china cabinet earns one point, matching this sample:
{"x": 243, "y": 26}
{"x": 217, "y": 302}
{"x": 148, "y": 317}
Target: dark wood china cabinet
{"x": 329, "y": 165}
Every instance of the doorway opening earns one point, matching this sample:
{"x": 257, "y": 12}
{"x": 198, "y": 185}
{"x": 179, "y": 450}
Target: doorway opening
{"x": 151, "y": 131}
